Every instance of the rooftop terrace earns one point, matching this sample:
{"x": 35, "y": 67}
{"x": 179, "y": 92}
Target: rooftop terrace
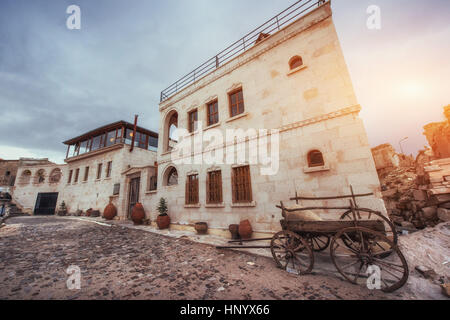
{"x": 273, "y": 25}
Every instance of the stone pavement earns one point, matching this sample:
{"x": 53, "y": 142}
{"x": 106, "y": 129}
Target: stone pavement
{"x": 123, "y": 262}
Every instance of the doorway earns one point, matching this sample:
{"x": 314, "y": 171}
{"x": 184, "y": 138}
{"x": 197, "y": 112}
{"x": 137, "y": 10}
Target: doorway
{"x": 133, "y": 194}
{"x": 46, "y": 203}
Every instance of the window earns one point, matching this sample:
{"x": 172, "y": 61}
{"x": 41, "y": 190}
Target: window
{"x": 111, "y": 138}
{"x": 171, "y": 177}
{"x": 108, "y": 169}
{"x": 152, "y": 179}
{"x": 315, "y": 159}
{"x": 192, "y": 189}
{"x": 99, "y": 170}
{"x": 295, "y": 62}
{"x": 86, "y": 174}
{"x": 192, "y": 118}
{"x": 69, "y": 180}
{"x": 40, "y": 176}
{"x": 26, "y": 176}
{"x": 241, "y": 185}
{"x": 152, "y": 143}
{"x": 213, "y": 112}
{"x": 77, "y": 174}
{"x": 8, "y": 173}
{"x": 55, "y": 175}
{"x": 236, "y": 103}
{"x": 116, "y": 189}
{"x": 214, "y": 187}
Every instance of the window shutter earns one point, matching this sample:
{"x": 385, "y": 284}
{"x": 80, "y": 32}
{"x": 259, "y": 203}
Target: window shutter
{"x": 186, "y": 195}
{"x": 233, "y": 184}
{"x": 208, "y": 186}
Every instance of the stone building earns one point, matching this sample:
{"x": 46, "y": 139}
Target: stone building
{"x": 100, "y": 167}
{"x": 438, "y": 136}
{"x": 385, "y": 157}
{"x": 8, "y": 171}
{"x": 289, "y": 77}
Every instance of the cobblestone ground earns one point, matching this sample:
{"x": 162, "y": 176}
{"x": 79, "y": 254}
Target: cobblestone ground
{"x": 120, "y": 263}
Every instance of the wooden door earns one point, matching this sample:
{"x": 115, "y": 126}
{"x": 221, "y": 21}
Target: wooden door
{"x": 133, "y": 195}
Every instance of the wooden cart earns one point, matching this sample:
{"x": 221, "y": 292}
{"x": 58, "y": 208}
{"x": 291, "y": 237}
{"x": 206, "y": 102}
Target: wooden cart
{"x": 363, "y": 245}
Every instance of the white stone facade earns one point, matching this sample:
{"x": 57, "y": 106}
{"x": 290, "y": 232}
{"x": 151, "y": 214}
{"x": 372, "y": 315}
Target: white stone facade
{"x": 314, "y": 108}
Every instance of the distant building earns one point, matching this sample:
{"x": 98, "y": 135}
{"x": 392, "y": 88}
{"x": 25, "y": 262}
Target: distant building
{"x": 99, "y": 168}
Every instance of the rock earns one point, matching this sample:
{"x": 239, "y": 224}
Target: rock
{"x": 397, "y": 220}
{"x": 221, "y": 289}
{"x": 408, "y": 225}
{"x": 446, "y": 289}
{"x": 443, "y": 214}
{"x": 429, "y": 213}
{"x": 426, "y": 272}
{"x": 420, "y": 195}
{"x": 389, "y": 193}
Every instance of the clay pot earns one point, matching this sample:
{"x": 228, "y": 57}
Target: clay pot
{"x": 201, "y": 227}
{"x": 245, "y": 229}
{"x": 138, "y": 213}
{"x": 88, "y": 212}
{"x": 234, "y": 230}
{"x": 110, "y": 212}
{"x": 163, "y": 222}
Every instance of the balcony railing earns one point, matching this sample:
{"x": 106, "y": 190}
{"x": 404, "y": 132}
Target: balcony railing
{"x": 273, "y": 25}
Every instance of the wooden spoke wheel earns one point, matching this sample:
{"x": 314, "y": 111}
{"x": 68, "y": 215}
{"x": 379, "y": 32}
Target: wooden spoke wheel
{"x": 367, "y": 214}
{"x": 291, "y": 251}
{"x": 369, "y": 258}
{"x": 318, "y": 242}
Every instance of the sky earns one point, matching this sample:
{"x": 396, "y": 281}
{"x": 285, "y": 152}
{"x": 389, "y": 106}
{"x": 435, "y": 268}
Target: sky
{"x": 57, "y": 83}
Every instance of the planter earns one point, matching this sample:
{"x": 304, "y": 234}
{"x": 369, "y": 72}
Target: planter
{"x": 138, "y": 213}
{"x": 163, "y": 222}
{"x": 201, "y": 227}
{"x": 110, "y": 212}
{"x": 245, "y": 229}
{"x": 234, "y": 230}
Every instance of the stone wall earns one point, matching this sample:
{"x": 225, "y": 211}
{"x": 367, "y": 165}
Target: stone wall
{"x": 8, "y": 172}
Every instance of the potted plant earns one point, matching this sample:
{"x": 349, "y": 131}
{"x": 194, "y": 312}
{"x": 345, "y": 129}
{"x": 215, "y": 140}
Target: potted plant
{"x": 163, "y": 220}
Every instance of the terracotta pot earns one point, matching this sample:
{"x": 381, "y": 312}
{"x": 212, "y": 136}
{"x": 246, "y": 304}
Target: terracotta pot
{"x": 245, "y": 229}
{"x": 110, "y": 212}
{"x": 163, "y": 222}
{"x": 88, "y": 212}
{"x": 201, "y": 227}
{"x": 138, "y": 213}
{"x": 234, "y": 230}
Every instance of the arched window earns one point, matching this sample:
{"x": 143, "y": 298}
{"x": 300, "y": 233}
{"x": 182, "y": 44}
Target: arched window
{"x": 40, "y": 176}
{"x": 55, "y": 175}
{"x": 315, "y": 159}
{"x": 25, "y": 177}
{"x": 171, "y": 177}
{"x": 170, "y": 131}
{"x": 295, "y": 62}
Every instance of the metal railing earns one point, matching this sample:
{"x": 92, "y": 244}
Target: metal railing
{"x": 273, "y": 25}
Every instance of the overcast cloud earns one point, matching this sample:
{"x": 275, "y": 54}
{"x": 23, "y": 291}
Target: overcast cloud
{"x": 57, "y": 83}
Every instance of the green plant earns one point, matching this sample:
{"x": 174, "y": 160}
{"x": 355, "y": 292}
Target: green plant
{"x": 162, "y": 208}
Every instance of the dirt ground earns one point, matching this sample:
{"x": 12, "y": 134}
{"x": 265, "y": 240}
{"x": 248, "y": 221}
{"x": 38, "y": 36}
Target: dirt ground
{"x": 121, "y": 263}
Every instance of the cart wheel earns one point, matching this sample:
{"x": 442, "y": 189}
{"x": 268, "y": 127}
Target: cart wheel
{"x": 367, "y": 214}
{"x": 365, "y": 256}
{"x": 291, "y": 251}
{"x": 319, "y": 242}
